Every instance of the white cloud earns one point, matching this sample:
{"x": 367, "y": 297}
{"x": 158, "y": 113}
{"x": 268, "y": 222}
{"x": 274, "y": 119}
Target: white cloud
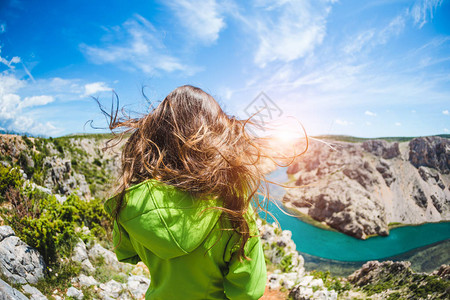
{"x": 13, "y": 117}
{"x": 369, "y": 113}
{"x": 445, "y": 129}
{"x": 138, "y": 47}
{"x": 370, "y": 38}
{"x": 343, "y": 122}
{"x": 9, "y": 63}
{"x": 287, "y": 30}
{"x": 445, "y": 112}
{"x": 398, "y": 124}
{"x": 35, "y": 101}
{"x": 362, "y": 39}
{"x": 95, "y": 87}
{"x": 2, "y": 27}
{"x": 202, "y": 17}
{"x": 394, "y": 28}
{"x": 423, "y": 10}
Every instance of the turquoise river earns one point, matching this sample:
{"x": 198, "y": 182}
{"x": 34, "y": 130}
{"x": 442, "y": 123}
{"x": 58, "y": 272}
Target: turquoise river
{"x": 338, "y": 246}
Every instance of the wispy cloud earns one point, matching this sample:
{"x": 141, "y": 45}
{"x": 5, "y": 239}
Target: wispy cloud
{"x": 370, "y": 38}
{"x": 343, "y": 122}
{"x": 423, "y": 10}
{"x": 369, "y": 113}
{"x": 398, "y": 124}
{"x": 287, "y": 30}
{"x": 137, "y": 46}
{"x": 203, "y": 19}
{"x": 445, "y": 112}
{"x": 95, "y": 87}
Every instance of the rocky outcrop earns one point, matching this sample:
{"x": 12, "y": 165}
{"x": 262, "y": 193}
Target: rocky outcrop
{"x": 280, "y": 251}
{"x": 19, "y": 262}
{"x": 433, "y": 152}
{"x": 443, "y": 272}
{"x": 80, "y": 254}
{"x": 374, "y": 270}
{"x": 7, "y": 292}
{"x": 59, "y": 174}
{"x": 359, "y": 188}
{"x": 381, "y": 280}
{"x": 382, "y": 148}
{"x": 34, "y": 293}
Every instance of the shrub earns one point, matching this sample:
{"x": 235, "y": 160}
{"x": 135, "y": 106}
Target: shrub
{"x": 9, "y": 177}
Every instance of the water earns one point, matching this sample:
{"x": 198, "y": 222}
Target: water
{"x": 338, "y": 246}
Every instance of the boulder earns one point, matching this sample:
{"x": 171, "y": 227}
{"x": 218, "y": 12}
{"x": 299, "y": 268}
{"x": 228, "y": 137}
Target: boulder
{"x": 19, "y": 262}
{"x": 382, "y": 148}
{"x": 443, "y": 272}
{"x": 97, "y": 252}
{"x": 433, "y": 152}
{"x": 372, "y": 271}
{"x": 9, "y": 293}
{"x": 74, "y": 293}
{"x": 111, "y": 289}
{"x": 34, "y": 292}
{"x": 137, "y": 285}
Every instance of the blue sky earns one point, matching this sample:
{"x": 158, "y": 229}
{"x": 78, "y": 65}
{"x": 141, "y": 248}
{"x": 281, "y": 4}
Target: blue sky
{"x": 362, "y": 68}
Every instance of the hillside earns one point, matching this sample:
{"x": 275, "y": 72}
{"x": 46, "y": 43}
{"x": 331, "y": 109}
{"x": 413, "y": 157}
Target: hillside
{"x": 55, "y": 237}
{"x": 362, "y": 187}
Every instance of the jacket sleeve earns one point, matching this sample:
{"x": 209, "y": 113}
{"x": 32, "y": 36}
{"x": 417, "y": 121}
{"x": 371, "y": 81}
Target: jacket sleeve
{"x": 246, "y": 279}
{"x": 123, "y": 247}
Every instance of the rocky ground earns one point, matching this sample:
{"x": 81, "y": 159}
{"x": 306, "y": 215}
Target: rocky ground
{"x": 360, "y": 188}
{"x": 23, "y": 267}
{"x": 49, "y": 169}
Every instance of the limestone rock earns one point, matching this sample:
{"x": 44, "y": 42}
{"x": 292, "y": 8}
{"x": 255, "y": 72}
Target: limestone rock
{"x": 443, "y": 272}
{"x": 382, "y": 148}
{"x": 111, "y": 289}
{"x": 6, "y": 231}
{"x": 373, "y": 270}
{"x": 74, "y": 293}
{"x": 303, "y": 293}
{"x": 34, "y": 292}
{"x": 359, "y": 188}
{"x": 433, "y": 152}
{"x": 80, "y": 252}
{"x": 19, "y": 262}
{"x": 59, "y": 174}
{"x": 138, "y": 285}
{"x": 9, "y": 293}
{"x": 84, "y": 280}
{"x": 110, "y": 258}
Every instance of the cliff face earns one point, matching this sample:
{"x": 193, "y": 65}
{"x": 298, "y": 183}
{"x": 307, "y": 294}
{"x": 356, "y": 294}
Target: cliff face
{"x": 63, "y": 165}
{"x": 359, "y": 188}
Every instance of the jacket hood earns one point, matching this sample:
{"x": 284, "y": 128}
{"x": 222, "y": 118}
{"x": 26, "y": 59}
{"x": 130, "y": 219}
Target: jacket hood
{"x": 165, "y": 220}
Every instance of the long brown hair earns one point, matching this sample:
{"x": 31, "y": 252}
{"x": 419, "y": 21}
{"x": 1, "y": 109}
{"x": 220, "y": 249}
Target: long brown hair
{"x": 187, "y": 141}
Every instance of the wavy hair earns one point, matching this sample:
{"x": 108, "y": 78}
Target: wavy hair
{"x": 187, "y": 141}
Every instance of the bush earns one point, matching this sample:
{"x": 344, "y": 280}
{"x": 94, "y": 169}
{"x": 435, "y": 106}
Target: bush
{"x": 49, "y": 226}
{"x": 9, "y": 177}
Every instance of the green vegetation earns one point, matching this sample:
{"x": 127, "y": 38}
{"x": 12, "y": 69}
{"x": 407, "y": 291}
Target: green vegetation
{"x": 49, "y": 226}
{"x": 331, "y": 282}
{"x": 10, "y": 178}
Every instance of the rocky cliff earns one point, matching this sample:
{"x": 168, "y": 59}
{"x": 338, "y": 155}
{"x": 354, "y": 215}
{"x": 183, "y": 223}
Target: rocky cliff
{"x": 359, "y": 188}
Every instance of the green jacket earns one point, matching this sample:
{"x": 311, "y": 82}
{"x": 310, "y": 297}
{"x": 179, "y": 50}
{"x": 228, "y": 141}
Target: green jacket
{"x": 183, "y": 245}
